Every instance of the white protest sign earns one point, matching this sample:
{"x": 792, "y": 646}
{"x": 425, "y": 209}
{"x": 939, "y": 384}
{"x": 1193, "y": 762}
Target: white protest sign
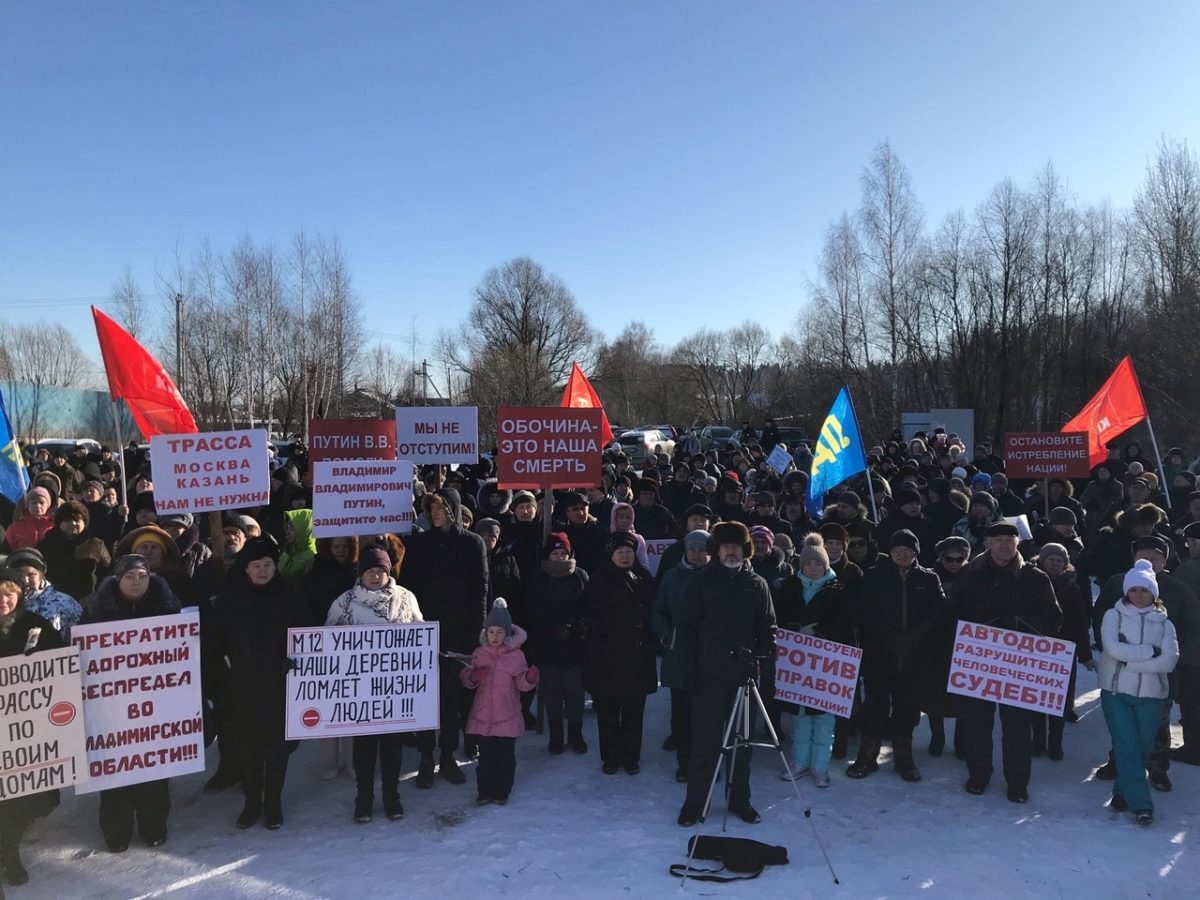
{"x": 211, "y": 471}
{"x": 1021, "y": 523}
{"x": 1023, "y": 670}
{"x": 41, "y": 723}
{"x": 654, "y": 552}
{"x": 438, "y": 434}
{"x": 362, "y": 497}
{"x": 780, "y": 459}
{"x": 362, "y": 679}
{"x": 141, "y": 699}
{"x": 815, "y": 672}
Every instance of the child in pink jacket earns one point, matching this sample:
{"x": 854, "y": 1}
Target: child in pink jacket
{"x": 498, "y": 674}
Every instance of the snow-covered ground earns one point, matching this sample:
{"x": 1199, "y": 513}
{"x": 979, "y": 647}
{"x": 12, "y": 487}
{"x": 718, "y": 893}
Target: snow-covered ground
{"x": 570, "y": 830}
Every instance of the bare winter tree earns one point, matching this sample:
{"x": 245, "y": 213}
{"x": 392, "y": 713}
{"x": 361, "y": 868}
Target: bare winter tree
{"x": 129, "y": 307}
{"x": 41, "y": 356}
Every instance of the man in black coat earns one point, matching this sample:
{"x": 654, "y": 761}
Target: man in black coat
{"x": 900, "y": 611}
{"x": 446, "y": 568}
{"x": 679, "y": 493}
{"x": 697, "y": 518}
{"x": 653, "y": 521}
{"x": 726, "y": 609}
{"x": 999, "y": 588}
{"x": 908, "y": 516}
{"x": 586, "y": 533}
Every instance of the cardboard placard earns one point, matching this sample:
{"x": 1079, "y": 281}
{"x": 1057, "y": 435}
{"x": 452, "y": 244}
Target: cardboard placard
{"x": 210, "y": 471}
{"x": 362, "y": 497}
{"x": 548, "y": 446}
{"x": 41, "y": 723}
{"x": 351, "y": 439}
{"x": 815, "y": 672}
{"x": 1053, "y": 454}
{"x": 1009, "y": 667}
{"x": 438, "y": 434}
{"x": 362, "y": 679}
{"x": 141, "y": 699}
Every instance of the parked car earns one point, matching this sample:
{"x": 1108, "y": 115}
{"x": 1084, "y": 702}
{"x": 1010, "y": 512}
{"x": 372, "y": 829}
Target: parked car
{"x": 67, "y": 445}
{"x": 636, "y": 444}
{"x": 715, "y": 437}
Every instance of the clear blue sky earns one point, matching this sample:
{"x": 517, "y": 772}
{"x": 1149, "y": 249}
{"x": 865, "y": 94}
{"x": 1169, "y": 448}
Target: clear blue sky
{"x": 676, "y": 162}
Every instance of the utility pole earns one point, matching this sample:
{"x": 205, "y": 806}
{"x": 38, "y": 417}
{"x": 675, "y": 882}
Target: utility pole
{"x": 424, "y": 382}
{"x": 179, "y": 340}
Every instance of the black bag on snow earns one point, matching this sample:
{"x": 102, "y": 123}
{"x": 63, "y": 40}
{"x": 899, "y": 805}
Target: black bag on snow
{"x": 740, "y": 858}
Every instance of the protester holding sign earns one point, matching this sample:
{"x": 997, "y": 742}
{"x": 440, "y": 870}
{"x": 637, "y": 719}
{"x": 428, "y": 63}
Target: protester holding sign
{"x": 814, "y": 602}
{"x": 999, "y": 588}
{"x": 21, "y": 632}
{"x": 133, "y": 592}
{"x": 1140, "y": 650}
{"x": 447, "y": 568}
{"x": 251, "y": 617}
{"x": 376, "y": 599}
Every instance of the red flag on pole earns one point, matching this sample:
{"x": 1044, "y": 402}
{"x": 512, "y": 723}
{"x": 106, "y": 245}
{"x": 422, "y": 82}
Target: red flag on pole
{"x": 579, "y": 392}
{"x": 1116, "y": 408}
{"x": 140, "y": 380}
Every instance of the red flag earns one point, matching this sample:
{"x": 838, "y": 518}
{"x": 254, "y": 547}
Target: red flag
{"x": 140, "y": 380}
{"x": 579, "y": 392}
{"x": 1116, "y": 408}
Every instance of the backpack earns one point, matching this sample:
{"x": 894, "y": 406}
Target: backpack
{"x": 740, "y": 858}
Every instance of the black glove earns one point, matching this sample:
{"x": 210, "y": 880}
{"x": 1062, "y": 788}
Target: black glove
{"x": 1157, "y": 652}
{"x": 1121, "y": 638}
{"x": 289, "y": 664}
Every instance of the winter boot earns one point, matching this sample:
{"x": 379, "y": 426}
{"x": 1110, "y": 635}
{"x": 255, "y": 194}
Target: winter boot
{"x": 363, "y": 805}
{"x": 902, "y": 758}
{"x": 1107, "y": 772}
{"x": 868, "y": 758}
{"x": 556, "y": 736}
{"x": 273, "y": 811}
{"x": 10, "y": 856}
{"x": 575, "y": 737}
{"x": 424, "y": 777}
{"x": 937, "y": 735}
{"x": 448, "y": 769}
{"x": 252, "y": 786}
{"x": 392, "y": 807}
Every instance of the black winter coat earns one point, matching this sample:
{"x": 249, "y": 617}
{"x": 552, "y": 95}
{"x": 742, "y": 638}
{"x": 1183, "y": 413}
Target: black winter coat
{"x": 654, "y": 523}
{"x": 76, "y": 566}
{"x": 773, "y": 568}
{"x": 587, "y": 543}
{"x": 251, "y": 624}
{"x": 327, "y": 580}
{"x": 1018, "y": 596}
{"x": 928, "y": 534}
{"x": 724, "y": 611}
{"x": 900, "y": 619}
{"x": 504, "y": 580}
{"x": 448, "y": 572}
{"x": 556, "y": 609}
{"x": 619, "y": 647}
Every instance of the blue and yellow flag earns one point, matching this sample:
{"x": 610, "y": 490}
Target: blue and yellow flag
{"x": 839, "y": 453}
{"x": 13, "y": 479}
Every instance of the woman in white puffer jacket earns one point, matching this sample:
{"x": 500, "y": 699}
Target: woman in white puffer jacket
{"x": 1140, "y": 651}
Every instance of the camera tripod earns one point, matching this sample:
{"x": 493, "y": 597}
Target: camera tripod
{"x": 739, "y": 735}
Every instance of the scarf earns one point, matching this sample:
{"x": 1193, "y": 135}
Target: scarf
{"x": 812, "y": 586}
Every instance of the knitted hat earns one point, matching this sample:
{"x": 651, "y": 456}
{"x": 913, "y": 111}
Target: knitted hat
{"x": 695, "y": 540}
{"x": 30, "y": 556}
{"x": 959, "y": 472}
{"x": 72, "y": 509}
{"x": 814, "y": 548}
{"x": 953, "y": 545}
{"x": 485, "y": 524}
{"x": 127, "y": 563}
{"x": 151, "y": 533}
{"x": 904, "y": 538}
{"x": 905, "y": 496}
{"x": 184, "y": 520}
{"x": 523, "y": 497}
{"x": 731, "y": 533}
{"x": 619, "y": 539}
{"x": 499, "y": 616}
{"x": 981, "y": 478}
{"x": 762, "y": 532}
{"x": 1141, "y": 575}
{"x": 7, "y": 573}
{"x": 41, "y": 492}
{"x": 698, "y": 509}
{"x": 1063, "y": 515}
{"x": 849, "y": 498}
{"x": 374, "y": 557}
{"x": 556, "y": 540}
{"x": 983, "y": 498}
{"x": 575, "y": 499}
{"x": 1053, "y": 549}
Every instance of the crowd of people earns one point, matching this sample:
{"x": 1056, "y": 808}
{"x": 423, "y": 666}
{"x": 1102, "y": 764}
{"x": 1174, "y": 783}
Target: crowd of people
{"x": 563, "y": 610}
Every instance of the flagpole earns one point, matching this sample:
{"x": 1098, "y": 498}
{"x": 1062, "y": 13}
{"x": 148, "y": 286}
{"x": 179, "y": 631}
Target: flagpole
{"x": 120, "y": 455}
{"x": 1163, "y": 486}
{"x": 871, "y": 488}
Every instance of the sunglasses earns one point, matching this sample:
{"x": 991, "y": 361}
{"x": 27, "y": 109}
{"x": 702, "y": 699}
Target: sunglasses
{"x": 954, "y": 559}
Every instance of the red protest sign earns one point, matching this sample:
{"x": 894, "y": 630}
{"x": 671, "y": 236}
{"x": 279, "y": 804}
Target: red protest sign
{"x": 548, "y": 446}
{"x": 1012, "y": 668}
{"x": 1053, "y": 454}
{"x": 337, "y": 439}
